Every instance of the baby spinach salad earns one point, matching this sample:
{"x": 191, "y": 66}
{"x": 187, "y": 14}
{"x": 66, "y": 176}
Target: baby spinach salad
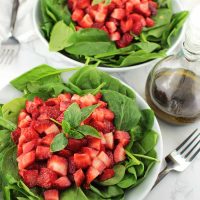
{"x": 92, "y": 43}
{"x": 45, "y": 82}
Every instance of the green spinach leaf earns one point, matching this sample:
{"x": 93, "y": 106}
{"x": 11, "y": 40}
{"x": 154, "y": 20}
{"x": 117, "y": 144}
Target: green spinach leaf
{"x": 59, "y": 142}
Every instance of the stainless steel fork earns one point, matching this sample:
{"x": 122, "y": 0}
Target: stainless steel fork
{"x": 10, "y": 47}
{"x": 179, "y": 159}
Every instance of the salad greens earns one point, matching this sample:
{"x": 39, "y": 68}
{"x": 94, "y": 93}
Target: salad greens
{"x": 140, "y": 153}
{"x": 59, "y": 30}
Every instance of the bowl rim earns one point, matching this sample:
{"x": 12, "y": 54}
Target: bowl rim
{"x": 107, "y": 69}
{"x": 149, "y": 181}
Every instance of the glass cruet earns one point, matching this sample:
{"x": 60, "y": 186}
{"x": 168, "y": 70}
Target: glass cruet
{"x": 173, "y": 85}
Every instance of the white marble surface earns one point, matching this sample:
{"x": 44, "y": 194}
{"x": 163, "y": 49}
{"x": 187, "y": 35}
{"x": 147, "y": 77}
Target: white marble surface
{"x": 176, "y": 186}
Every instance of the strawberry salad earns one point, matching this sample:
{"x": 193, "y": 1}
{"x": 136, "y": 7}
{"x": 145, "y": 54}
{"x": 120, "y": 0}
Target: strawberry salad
{"x": 82, "y": 139}
{"x": 116, "y": 33}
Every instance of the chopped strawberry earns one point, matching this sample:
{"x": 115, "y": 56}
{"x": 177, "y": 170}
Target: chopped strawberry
{"x": 82, "y": 4}
{"x": 82, "y": 160}
{"x": 86, "y": 21}
{"x": 153, "y": 7}
{"x": 118, "y": 13}
{"x": 109, "y": 140}
{"x": 105, "y": 29}
{"x": 58, "y": 164}
{"x": 52, "y": 102}
{"x": 108, "y": 114}
{"x": 65, "y": 97}
{"x": 62, "y": 183}
{"x": 100, "y": 17}
{"x": 102, "y": 103}
{"x": 91, "y": 152}
{"x": 126, "y": 25}
{"x": 98, "y": 164}
{"x": 110, "y": 155}
{"x": 53, "y": 129}
{"x": 87, "y": 100}
{"x": 31, "y": 107}
{"x": 142, "y": 8}
{"x": 15, "y": 135}
{"x": 19, "y": 150}
{"x": 50, "y": 111}
{"x": 65, "y": 153}
{"x": 111, "y": 7}
{"x": 41, "y": 125}
{"x": 98, "y": 114}
{"x": 104, "y": 158}
{"x": 103, "y": 140}
{"x": 137, "y": 28}
{"x": 125, "y": 40}
{"x": 77, "y": 15}
{"x": 28, "y": 134}
{"x": 47, "y": 140}
{"x": 22, "y": 115}
{"x": 29, "y": 146}
{"x": 123, "y": 137}
{"x": 91, "y": 174}
{"x": 107, "y": 174}
{"x": 74, "y": 145}
{"x": 94, "y": 143}
{"x": 98, "y": 25}
{"x": 79, "y": 177}
{"x": 25, "y": 160}
{"x": 42, "y": 153}
{"x": 38, "y": 101}
{"x": 111, "y": 27}
{"x": 129, "y": 7}
{"x": 119, "y": 153}
{"x": 51, "y": 195}
{"x": 64, "y": 105}
{"x": 30, "y": 177}
{"x": 71, "y": 165}
{"x": 138, "y": 18}
{"x": 149, "y": 22}
{"x": 60, "y": 118}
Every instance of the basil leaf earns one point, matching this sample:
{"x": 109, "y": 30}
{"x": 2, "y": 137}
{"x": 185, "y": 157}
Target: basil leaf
{"x": 66, "y": 126}
{"x": 76, "y": 134}
{"x": 88, "y": 130}
{"x": 59, "y": 142}
{"x": 73, "y": 115}
{"x": 87, "y": 111}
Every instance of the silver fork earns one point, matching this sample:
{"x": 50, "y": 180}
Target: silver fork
{"x": 179, "y": 159}
{"x": 10, "y": 47}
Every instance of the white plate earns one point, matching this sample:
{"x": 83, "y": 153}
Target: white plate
{"x": 8, "y": 93}
{"x": 177, "y": 7}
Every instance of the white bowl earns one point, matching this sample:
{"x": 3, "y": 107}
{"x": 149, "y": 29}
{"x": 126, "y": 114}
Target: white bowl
{"x": 139, "y": 192}
{"x": 177, "y": 7}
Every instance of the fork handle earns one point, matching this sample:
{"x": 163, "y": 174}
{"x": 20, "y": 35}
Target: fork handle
{"x": 14, "y": 15}
{"x": 162, "y": 174}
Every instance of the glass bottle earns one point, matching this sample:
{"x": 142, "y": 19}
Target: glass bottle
{"x": 173, "y": 85}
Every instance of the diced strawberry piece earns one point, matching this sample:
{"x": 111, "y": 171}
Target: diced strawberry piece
{"x": 22, "y": 115}
{"x": 52, "y": 129}
{"x": 108, "y": 114}
{"x": 105, "y": 29}
{"x": 62, "y": 183}
{"x": 71, "y": 165}
{"x": 119, "y": 153}
{"x": 82, "y": 160}
{"x": 15, "y": 135}
{"x": 25, "y": 122}
{"x": 28, "y": 134}
{"x": 91, "y": 174}
{"x": 51, "y": 195}
{"x": 79, "y": 177}
{"x": 60, "y": 118}
{"x": 43, "y": 153}
{"x": 118, "y": 3}
{"x": 50, "y": 111}
{"x": 76, "y": 98}
{"x": 98, "y": 96}
{"x": 142, "y": 8}
{"x": 126, "y": 25}
{"x": 74, "y": 145}
{"x": 114, "y": 20}
{"x": 30, "y": 177}
{"x": 87, "y": 100}
{"x": 72, "y": 4}
{"x": 153, "y": 7}
{"x": 123, "y": 137}
{"x": 82, "y": 4}
{"x": 52, "y": 102}
{"x": 91, "y": 152}
{"x": 111, "y": 7}
{"x": 102, "y": 103}
{"x": 107, "y": 174}
{"x": 138, "y": 18}
{"x": 110, "y": 155}
{"x": 104, "y": 158}
{"x": 94, "y": 143}
{"x": 65, "y": 97}
{"x": 103, "y": 140}
{"x": 37, "y": 165}
{"x": 19, "y": 150}
{"x": 86, "y": 21}
{"x": 100, "y": 17}
{"x": 98, "y": 164}
{"x": 109, "y": 140}
{"x": 98, "y": 25}
{"x": 134, "y": 2}
{"x": 65, "y": 153}
{"x": 137, "y": 28}
{"x": 41, "y": 125}
{"x": 111, "y": 27}
{"x": 25, "y": 160}
{"x": 108, "y": 126}
{"x": 118, "y": 13}
{"x": 29, "y": 146}
{"x": 30, "y": 107}
{"x": 64, "y": 105}
{"x": 58, "y": 164}
{"x": 47, "y": 140}
{"x": 98, "y": 114}
{"x": 149, "y": 22}
{"x": 129, "y": 7}
{"x": 125, "y": 40}
{"x": 77, "y": 15}
{"x": 102, "y": 8}
{"x": 38, "y": 101}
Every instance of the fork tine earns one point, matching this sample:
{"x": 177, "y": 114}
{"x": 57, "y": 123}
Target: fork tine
{"x": 9, "y": 57}
{"x": 195, "y": 154}
{"x": 185, "y": 141}
{"x": 4, "y": 56}
{"x": 192, "y": 149}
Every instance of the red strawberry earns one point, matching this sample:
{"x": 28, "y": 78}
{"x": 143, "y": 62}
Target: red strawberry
{"x": 51, "y": 195}
{"x": 28, "y": 134}
{"x": 58, "y": 164}
{"x": 89, "y": 151}
{"x": 111, "y": 27}
{"x": 62, "y": 183}
{"x": 43, "y": 153}
{"x": 79, "y": 177}
{"x": 111, "y": 7}
{"x": 109, "y": 140}
{"x": 65, "y": 97}
{"x": 98, "y": 114}
{"x": 129, "y": 7}
{"x": 142, "y": 8}
{"x": 47, "y": 140}
{"x": 74, "y": 145}
{"x": 82, "y": 4}
{"x": 108, "y": 114}
{"x": 60, "y": 118}
{"x": 91, "y": 174}
{"x": 125, "y": 41}
{"x": 19, "y": 150}
{"x": 153, "y": 7}
{"x": 30, "y": 177}
{"x": 137, "y": 28}
{"x": 71, "y": 165}
{"x": 53, "y": 129}
{"x": 86, "y": 21}
{"x": 50, "y": 111}
{"x": 41, "y": 125}
{"x": 119, "y": 153}
{"x": 82, "y": 160}
{"x": 123, "y": 137}
{"x": 118, "y": 13}
{"x": 98, "y": 25}
{"x": 126, "y": 25}
{"x": 107, "y": 174}
{"x": 22, "y": 115}
{"x": 24, "y": 120}
{"x": 94, "y": 143}
{"x": 31, "y": 107}
{"x": 98, "y": 164}
{"x": 15, "y": 135}
{"x": 77, "y": 15}
{"x": 25, "y": 160}
{"x": 100, "y": 17}
{"x": 149, "y": 22}
{"x": 104, "y": 158}
{"x": 29, "y": 146}
{"x": 105, "y": 29}
{"x": 87, "y": 100}
{"x": 64, "y": 105}
{"x": 138, "y": 18}
{"x": 110, "y": 155}
{"x": 103, "y": 140}
{"x": 102, "y": 103}
{"x": 38, "y": 101}
{"x": 52, "y": 102}
{"x": 65, "y": 153}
